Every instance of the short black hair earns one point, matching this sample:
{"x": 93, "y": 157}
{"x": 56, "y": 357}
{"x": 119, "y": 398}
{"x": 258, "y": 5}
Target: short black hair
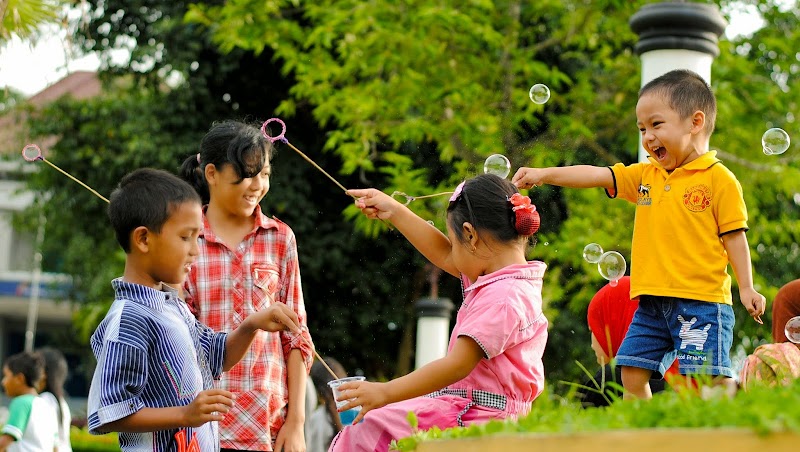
{"x": 484, "y": 203}
{"x": 30, "y": 365}
{"x": 234, "y": 143}
{"x": 146, "y": 197}
{"x": 686, "y": 92}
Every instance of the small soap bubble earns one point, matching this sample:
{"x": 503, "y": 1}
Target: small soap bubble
{"x": 498, "y": 165}
{"x": 539, "y": 93}
{"x": 792, "y": 330}
{"x": 612, "y": 266}
{"x": 430, "y": 222}
{"x": 775, "y": 141}
{"x": 592, "y": 253}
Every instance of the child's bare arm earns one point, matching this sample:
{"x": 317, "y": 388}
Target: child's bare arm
{"x": 433, "y": 376}
{"x": 738, "y": 251}
{"x": 209, "y": 405}
{"x": 578, "y": 176}
{"x": 428, "y": 240}
{"x": 5, "y": 441}
{"x": 276, "y": 317}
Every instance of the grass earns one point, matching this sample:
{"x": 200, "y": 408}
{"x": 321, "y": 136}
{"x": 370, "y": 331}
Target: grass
{"x": 762, "y": 409}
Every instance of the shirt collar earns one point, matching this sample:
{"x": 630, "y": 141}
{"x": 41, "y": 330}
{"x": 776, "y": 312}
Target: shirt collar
{"x": 261, "y": 222}
{"x": 531, "y": 270}
{"x": 144, "y": 295}
{"x": 705, "y": 161}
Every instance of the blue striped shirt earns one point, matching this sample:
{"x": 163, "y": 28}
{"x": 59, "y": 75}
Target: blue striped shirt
{"x": 152, "y": 352}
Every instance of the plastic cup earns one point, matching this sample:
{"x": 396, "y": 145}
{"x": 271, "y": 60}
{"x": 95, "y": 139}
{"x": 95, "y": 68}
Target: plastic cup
{"x": 346, "y": 416}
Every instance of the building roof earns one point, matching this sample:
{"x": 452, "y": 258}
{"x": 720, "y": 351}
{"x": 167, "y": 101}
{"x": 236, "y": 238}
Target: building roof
{"x": 14, "y": 134}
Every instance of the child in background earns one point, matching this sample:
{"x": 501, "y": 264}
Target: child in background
{"x": 247, "y": 262}
{"x": 690, "y": 223}
{"x": 493, "y": 368}
{"x": 155, "y": 361}
{"x": 609, "y": 316}
{"x": 324, "y": 420}
{"x": 51, "y": 389}
{"x": 32, "y": 424}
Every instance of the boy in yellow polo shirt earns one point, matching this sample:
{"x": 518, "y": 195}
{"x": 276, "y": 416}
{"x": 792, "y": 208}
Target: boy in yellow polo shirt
{"x": 690, "y": 223}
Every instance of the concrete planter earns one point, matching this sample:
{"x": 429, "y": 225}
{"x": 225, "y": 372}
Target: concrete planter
{"x": 650, "y": 440}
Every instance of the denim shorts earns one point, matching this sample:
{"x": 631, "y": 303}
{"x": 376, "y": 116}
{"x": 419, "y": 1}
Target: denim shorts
{"x": 699, "y": 334}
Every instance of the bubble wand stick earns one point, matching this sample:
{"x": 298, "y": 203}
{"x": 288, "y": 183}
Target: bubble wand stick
{"x": 33, "y": 153}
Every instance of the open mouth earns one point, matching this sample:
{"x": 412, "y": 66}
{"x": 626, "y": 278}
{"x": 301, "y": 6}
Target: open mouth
{"x": 660, "y": 152}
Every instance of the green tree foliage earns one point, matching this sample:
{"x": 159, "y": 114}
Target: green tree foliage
{"x": 23, "y": 17}
{"x": 413, "y": 96}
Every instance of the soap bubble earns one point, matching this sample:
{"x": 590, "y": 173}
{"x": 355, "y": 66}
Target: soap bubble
{"x": 539, "y": 93}
{"x": 498, "y": 165}
{"x": 612, "y": 266}
{"x": 592, "y": 253}
{"x": 775, "y": 141}
{"x": 792, "y": 330}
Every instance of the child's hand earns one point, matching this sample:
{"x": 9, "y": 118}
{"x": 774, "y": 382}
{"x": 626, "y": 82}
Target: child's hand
{"x": 209, "y": 405}
{"x": 528, "y": 177}
{"x": 754, "y": 302}
{"x": 368, "y": 395}
{"x": 374, "y": 203}
{"x": 276, "y": 317}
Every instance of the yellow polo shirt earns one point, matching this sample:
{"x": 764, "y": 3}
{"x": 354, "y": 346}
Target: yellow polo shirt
{"x": 680, "y": 219}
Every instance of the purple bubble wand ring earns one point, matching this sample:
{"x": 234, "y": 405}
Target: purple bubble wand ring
{"x": 33, "y": 153}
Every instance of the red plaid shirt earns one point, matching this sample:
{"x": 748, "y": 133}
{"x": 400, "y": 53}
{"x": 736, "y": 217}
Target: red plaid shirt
{"x": 223, "y": 288}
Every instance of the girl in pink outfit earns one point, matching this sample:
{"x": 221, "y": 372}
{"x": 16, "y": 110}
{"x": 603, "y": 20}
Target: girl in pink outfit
{"x": 493, "y": 368}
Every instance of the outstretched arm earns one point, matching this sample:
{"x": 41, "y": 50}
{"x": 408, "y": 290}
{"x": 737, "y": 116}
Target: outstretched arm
{"x": 428, "y": 240}
{"x": 738, "y": 250}
{"x": 433, "y": 376}
{"x": 209, "y": 405}
{"x": 276, "y": 317}
{"x": 578, "y": 176}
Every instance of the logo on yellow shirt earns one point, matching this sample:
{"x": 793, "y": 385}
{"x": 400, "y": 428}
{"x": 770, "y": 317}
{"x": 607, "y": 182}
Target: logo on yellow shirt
{"x": 644, "y": 195}
{"x": 697, "y": 198}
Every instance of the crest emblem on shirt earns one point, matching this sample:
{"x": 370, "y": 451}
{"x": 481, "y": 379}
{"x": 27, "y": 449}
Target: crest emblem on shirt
{"x": 697, "y": 198}
{"x": 644, "y": 195}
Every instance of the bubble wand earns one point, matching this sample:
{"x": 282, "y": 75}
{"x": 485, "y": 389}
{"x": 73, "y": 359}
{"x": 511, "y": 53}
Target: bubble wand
{"x": 281, "y": 137}
{"x": 33, "y": 153}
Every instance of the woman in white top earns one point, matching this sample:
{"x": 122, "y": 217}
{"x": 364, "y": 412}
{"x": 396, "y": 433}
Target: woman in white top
{"x": 51, "y": 390}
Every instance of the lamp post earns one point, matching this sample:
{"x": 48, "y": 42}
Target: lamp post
{"x": 676, "y": 35}
{"x": 433, "y": 324}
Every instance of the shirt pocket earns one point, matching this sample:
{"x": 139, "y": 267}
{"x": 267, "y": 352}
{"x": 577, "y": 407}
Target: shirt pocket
{"x": 265, "y": 285}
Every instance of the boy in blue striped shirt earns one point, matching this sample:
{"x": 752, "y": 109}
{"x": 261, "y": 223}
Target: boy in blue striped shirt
{"x": 155, "y": 362}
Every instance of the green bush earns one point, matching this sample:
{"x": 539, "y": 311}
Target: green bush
{"x": 83, "y": 441}
{"x": 761, "y": 409}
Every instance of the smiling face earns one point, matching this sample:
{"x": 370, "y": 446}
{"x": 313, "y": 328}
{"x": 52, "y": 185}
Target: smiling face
{"x": 671, "y": 140}
{"x": 236, "y": 197}
{"x": 172, "y": 251}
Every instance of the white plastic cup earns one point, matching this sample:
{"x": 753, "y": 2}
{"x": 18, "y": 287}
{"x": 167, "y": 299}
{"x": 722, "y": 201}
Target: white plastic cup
{"x": 348, "y": 415}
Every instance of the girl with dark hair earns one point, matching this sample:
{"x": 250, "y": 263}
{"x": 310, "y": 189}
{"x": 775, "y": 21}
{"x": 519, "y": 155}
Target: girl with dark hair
{"x": 247, "y": 262}
{"x": 493, "y": 368}
{"x": 51, "y": 390}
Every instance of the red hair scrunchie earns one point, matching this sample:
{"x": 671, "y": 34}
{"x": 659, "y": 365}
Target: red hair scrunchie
{"x": 526, "y": 218}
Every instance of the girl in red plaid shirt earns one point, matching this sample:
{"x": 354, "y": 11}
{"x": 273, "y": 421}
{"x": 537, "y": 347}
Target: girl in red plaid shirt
{"x": 247, "y": 262}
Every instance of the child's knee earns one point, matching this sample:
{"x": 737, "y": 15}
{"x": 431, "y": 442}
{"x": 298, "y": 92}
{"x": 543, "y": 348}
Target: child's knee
{"x": 635, "y": 377}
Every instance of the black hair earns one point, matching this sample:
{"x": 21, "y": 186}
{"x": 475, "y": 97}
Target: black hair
{"x": 234, "y": 143}
{"x": 55, "y": 375}
{"x": 484, "y": 203}
{"x": 686, "y": 92}
{"x": 30, "y": 365}
{"x": 146, "y": 197}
